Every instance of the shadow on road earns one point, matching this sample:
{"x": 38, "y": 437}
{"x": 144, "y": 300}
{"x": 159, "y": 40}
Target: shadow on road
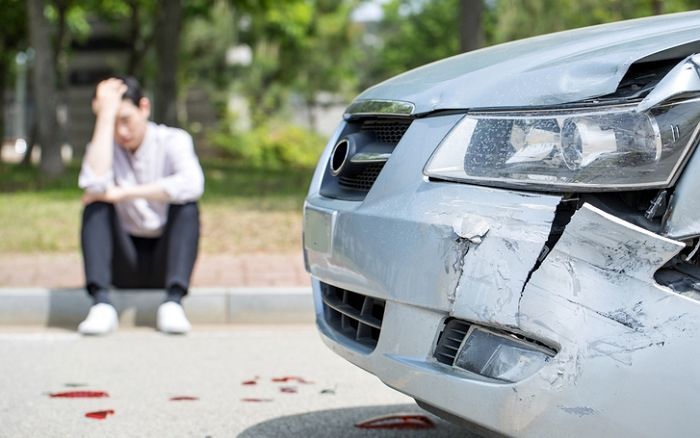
{"x": 341, "y": 423}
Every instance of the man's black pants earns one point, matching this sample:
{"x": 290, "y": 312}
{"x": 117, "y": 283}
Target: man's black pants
{"x": 112, "y": 257}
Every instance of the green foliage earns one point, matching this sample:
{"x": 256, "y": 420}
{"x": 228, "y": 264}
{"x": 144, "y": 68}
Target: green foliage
{"x": 520, "y": 19}
{"x": 272, "y": 145}
{"x": 413, "y": 33}
{"x": 13, "y": 35}
{"x": 306, "y": 46}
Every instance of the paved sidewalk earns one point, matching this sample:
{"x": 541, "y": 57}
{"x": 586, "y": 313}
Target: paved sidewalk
{"x": 51, "y": 270}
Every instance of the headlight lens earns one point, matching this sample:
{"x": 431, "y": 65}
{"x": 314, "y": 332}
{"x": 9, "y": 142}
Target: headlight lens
{"x": 606, "y": 148}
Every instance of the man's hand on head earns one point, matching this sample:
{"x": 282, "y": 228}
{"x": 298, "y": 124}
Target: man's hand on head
{"x": 108, "y": 96}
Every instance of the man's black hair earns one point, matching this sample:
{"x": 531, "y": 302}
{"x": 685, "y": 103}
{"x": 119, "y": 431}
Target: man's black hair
{"x": 133, "y": 89}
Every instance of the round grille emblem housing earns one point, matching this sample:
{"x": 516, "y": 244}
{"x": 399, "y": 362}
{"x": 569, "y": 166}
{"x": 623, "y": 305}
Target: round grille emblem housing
{"x": 339, "y": 156}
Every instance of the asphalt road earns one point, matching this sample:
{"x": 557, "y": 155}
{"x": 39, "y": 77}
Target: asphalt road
{"x": 141, "y": 371}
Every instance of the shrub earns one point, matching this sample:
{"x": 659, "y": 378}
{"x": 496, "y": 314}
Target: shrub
{"x": 273, "y": 145}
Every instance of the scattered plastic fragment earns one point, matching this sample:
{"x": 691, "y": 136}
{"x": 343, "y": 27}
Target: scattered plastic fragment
{"x": 289, "y": 389}
{"x": 79, "y": 394}
{"x": 256, "y": 400}
{"x": 288, "y": 379}
{"x": 100, "y": 415}
{"x": 471, "y": 227}
{"x": 183, "y": 398}
{"x": 75, "y": 385}
{"x": 328, "y": 391}
{"x": 397, "y": 421}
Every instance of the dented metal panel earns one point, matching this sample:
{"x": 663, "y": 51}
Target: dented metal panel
{"x": 546, "y": 70}
{"x": 683, "y": 216}
{"x": 495, "y": 270}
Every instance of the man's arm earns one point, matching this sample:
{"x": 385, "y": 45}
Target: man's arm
{"x": 108, "y": 97}
{"x": 152, "y": 192}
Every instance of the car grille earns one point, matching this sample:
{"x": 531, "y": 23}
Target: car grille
{"x": 450, "y": 340}
{"x": 355, "y": 316}
{"x": 364, "y": 180}
{"x": 374, "y": 135}
{"x": 386, "y": 131}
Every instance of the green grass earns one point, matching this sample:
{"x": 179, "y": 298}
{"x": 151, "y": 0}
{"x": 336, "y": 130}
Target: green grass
{"x": 243, "y": 210}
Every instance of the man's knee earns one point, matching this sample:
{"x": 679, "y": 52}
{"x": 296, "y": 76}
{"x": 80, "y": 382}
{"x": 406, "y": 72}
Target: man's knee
{"x": 188, "y": 212}
{"x": 94, "y": 208}
{"x": 97, "y": 212}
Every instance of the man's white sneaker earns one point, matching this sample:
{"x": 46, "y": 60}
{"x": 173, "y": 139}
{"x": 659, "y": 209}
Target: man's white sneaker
{"x": 101, "y": 320}
{"x": 171, "y": 319}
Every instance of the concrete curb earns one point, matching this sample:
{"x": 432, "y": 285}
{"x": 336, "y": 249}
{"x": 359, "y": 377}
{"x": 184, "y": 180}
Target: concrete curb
{"x": 67, "y": 307}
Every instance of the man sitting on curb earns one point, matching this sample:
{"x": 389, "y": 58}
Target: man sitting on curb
{"x": 140, "y": 226}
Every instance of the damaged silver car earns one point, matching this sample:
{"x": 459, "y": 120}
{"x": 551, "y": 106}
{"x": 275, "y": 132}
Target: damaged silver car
{"x": 510, "y": 236}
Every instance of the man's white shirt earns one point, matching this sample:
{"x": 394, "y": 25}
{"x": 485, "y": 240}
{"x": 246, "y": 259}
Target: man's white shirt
{"x": 166, "y": 157}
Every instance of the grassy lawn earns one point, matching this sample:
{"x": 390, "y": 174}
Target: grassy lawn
{"x": 243, "y": 210}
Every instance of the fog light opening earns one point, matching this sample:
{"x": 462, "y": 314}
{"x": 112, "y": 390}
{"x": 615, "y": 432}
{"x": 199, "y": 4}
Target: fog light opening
{"x": 502, "y": 357}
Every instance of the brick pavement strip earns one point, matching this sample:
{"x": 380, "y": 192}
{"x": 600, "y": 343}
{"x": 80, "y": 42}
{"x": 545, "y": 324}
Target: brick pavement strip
{"x": 56, "y": 270}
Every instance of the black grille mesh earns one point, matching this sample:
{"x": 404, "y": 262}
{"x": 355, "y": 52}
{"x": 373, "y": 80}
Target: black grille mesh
{"x": 363, "y": 180}
{"x": 386, "y": 131}
{"x": 450, "y": 340}
{"x": 355, "y": 316}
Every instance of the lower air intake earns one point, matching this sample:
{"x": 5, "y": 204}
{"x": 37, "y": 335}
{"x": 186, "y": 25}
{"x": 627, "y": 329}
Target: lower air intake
{"x": 355, "y": 316}
{"x": 450, "y": 340}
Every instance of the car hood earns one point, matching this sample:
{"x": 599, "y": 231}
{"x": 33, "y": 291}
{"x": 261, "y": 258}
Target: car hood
{"x": 547, "y": 70}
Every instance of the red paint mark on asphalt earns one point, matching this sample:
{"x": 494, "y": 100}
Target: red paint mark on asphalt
{"x": 288, "y": 379}
{"x": 397, "y": 421}
{"x": 100, "y": 415}
{"x": 184, "y": 398}
{"x": 289, "y": 389}
{"x": 79, "y": 394}
{"x": 253, "y": 381}
{"x": 256, "y": 400}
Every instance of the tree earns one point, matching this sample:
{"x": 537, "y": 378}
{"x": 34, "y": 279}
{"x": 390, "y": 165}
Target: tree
{"x": 168, "y": 26}
{"x": 44, "y": 86}
{"x": 413, "y": 33}
{"x": 470, "y": 30}
{"x": 12, "y": 38}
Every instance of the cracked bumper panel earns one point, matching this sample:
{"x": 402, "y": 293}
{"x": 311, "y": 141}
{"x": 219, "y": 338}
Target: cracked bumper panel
{"x": 625, "y": 344}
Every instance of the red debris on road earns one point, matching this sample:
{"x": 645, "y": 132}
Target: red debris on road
{"x": 397, "y": 421}
{"x": 79, "y": 394}
{"x": 288, "y": 379}
{"x": 100, "y": 415}
{"x": 253, "y": 381}
{"x": 256, "y": 400}
{"x": 184, "y": 398}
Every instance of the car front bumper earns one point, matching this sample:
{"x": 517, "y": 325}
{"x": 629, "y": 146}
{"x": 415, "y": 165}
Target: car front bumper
{"x": 626, "y": 347}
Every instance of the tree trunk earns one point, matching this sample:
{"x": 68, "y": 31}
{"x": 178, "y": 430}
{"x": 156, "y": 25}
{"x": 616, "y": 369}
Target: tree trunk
{"x": 167, "y": 44}
{"x": 3, "y": 80}
{"x": 44, "y": 86}
{"x": 140, "y": 40}
{"x": 470, "y": 30}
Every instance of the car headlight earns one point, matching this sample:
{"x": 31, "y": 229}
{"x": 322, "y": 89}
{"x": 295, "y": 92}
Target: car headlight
{"x": 582, "y": 149}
